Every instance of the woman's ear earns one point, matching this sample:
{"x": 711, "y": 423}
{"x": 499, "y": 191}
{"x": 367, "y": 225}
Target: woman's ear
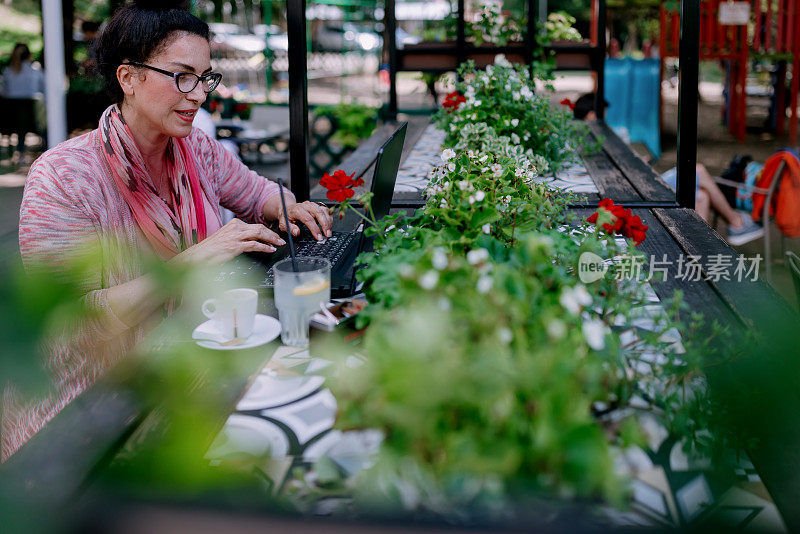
{"x": 127, "y": 78}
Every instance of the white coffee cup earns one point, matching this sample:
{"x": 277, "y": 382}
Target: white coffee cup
{"x": 234, "y": 312}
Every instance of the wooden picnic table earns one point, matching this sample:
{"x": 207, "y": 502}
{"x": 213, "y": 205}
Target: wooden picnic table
{"x": 59, "y": 464}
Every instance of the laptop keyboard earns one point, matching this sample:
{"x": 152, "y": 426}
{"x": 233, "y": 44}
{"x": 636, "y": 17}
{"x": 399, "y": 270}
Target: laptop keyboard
{"x": 331, "y": 248}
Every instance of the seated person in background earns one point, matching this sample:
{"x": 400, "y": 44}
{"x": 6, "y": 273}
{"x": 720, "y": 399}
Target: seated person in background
{"x": 584, "y": 110}
{"x": 741, "y": 228}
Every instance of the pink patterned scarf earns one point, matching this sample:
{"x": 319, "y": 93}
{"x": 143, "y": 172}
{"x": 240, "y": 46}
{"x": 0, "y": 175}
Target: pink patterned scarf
{"x": 168, "y": 232}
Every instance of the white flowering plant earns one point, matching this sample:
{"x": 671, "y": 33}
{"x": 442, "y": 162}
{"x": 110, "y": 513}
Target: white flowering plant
{"x": 488, "y": 24}
{"x": 503, "y": 97}
{"x": 491, "y": 24}
{"x": 559, "y": 27}
{"x": 497, "y": 398}
{"x": 489, "y": 368}
{"x": 482, "y": 138}
{"x": 473, "y": 193}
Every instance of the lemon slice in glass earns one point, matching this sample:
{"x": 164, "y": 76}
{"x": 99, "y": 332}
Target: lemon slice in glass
{"x": 312, "y": 286}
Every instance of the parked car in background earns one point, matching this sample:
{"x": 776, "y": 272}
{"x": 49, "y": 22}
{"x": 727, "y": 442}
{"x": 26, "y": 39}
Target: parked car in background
{"x": 234, "y": 37}
{"x": 277, "y": 39}
{"x": 331, "y": 37}
{"x": 346, "y": 36}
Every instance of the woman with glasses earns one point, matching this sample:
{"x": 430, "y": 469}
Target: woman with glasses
{"x": 143, "y": 182}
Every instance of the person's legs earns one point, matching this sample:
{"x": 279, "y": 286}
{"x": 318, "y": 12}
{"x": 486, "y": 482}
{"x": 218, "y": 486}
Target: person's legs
{"x": 702, "y": 205}
{"x": 716, "y": 198}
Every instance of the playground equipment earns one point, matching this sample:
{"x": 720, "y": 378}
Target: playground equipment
{"x": 774, "y": 33}
{"x": 632, "y": 90}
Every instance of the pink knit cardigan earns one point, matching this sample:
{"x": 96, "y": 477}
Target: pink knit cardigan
{"x": 70, "y": 198}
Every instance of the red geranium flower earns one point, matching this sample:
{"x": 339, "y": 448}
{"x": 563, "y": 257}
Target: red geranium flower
{"x": 453, "y": 100}
{"x": 618, "y": 220}
{"x": 569, "y": 103}
{"x": 340, "y": 185}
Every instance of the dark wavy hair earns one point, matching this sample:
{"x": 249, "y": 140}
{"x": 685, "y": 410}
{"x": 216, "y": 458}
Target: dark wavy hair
{"x": 138, "y": 31}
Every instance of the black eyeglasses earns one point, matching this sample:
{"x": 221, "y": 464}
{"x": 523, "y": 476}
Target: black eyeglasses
{"x": 187, "y": 81}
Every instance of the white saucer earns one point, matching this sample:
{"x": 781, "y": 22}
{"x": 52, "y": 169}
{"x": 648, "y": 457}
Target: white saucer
{"x": 270, "y": 391}
{"x": 245, "y": 437}
{"x": 265, "y": 329}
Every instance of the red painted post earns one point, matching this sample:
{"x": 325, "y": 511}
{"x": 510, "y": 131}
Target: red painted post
{"x": 768, "y": 26}
{"x": 780, "y": 112}
{"x": 742, "y": 131}
{"x": 676, "y": 33}
{"x": 733, "y": 113}
{"x": 793, "y": 100}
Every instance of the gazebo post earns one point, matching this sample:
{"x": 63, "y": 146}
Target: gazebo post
{"x": 461, "y": 34}
{"x": 599, "y": 61}
{"x": 266, "y": 5}
{"x": 55, "y": 87}
{"x": 688, "y": 53}
{"x": 298, "y": 99}
{"x": 531, "y": 27}
{"x": 390, "y": 23}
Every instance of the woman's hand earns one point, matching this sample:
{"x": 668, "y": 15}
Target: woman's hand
{"x": 229, "y": 241}
{"x": 315, "y": 216}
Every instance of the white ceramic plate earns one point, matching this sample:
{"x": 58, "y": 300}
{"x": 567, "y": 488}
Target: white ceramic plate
{"x": 265, "y": 329}
{"x": 270, "y": 391}
{"x": 244, "y": 436}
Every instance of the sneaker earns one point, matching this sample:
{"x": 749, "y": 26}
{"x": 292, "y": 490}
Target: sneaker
{"x": 749, "y": 231}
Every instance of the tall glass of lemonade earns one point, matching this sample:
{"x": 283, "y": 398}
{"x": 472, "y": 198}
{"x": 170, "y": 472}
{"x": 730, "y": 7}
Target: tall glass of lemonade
{"x": 299, "y": 294}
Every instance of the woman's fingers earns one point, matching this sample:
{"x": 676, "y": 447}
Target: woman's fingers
{"x": 259, "y": 232}
{"x": 300, "y": 212}
{"x": 257, "y": 246}
{"x": 316, "y": 217}
{"x": 268, "y": 236}
{"x": 311, "y": 223}
{"x": 325, "y": 218}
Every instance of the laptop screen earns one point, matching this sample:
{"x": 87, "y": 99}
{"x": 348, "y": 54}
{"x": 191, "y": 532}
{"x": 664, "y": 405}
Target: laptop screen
{"x": 386, "y": 168}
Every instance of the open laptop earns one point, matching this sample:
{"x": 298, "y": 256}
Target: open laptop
{"x": 342, "y": 248}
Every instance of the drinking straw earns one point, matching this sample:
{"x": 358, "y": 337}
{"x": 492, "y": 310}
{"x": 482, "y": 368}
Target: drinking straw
{"x": 288, "y": 228}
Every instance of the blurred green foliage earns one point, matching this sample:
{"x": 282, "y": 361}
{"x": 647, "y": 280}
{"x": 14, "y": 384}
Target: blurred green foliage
{"x": 353, "y": 122}
{"x": 184, "y": 393}
{"x": 9, "y": 37}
